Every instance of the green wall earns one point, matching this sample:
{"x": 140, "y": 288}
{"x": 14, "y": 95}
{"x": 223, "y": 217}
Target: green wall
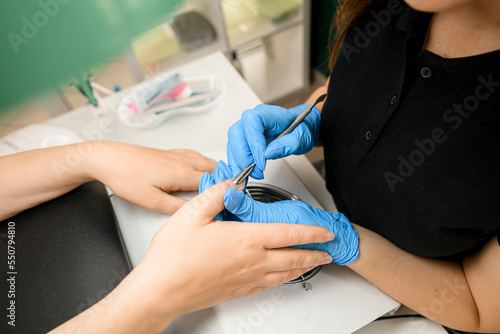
{"x": 49, "y": 42}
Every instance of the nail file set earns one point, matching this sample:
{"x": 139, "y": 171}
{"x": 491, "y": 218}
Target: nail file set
{"x": 154, "y": 101}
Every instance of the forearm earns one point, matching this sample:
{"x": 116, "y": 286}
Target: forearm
{"x": 313, "y": 97}
{"x": 317, "y": 93}
{"x": 33, "y": 177}
{"x": 437, "y": 289}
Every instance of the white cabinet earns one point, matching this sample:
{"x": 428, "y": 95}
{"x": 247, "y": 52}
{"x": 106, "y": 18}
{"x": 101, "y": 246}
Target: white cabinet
{"x": 271, "y": 49}
{"x": 275, "y": 67}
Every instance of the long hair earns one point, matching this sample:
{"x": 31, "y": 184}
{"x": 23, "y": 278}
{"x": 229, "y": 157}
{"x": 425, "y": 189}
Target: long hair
{"x": 346, "y": 16}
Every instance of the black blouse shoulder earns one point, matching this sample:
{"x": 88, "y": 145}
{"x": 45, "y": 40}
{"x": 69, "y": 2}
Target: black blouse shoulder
{"x": 411, "y": 139}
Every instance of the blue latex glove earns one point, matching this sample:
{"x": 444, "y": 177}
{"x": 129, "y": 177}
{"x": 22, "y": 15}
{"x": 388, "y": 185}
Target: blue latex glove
{"x": 343, "y": 248}
{"x": 252, "y": 137}
{"x": 221, "y": 173}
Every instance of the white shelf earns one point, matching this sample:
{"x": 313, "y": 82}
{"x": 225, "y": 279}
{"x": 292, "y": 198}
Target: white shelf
{"x": 261, "y": 28}
{"x": 275, "y": 68}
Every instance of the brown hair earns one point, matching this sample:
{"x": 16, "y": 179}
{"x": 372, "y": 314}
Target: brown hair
{"x": 348, "y": 12}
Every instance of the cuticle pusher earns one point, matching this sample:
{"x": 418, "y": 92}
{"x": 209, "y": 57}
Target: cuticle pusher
{"x": 246, "y": 171}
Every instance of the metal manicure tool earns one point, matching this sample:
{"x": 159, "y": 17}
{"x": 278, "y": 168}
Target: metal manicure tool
{"x": 246, "y": 171}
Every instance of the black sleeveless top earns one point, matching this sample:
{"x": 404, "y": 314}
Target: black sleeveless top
{"x": 411, "y": 139}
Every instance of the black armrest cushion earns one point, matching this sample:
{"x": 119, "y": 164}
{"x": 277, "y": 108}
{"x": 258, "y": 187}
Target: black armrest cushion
{"x": 68, "y": 255}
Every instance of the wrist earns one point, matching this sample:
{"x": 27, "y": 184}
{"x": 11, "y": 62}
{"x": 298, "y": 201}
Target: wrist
{"x": 93, "y": 158}
{"x": 362, "y": 238}
{"x": 69, "y": 165}
{"x": 140, "y": 304}
{"x": 346, "y": 240}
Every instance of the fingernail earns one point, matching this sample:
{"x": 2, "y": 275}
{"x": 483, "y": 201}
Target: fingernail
{"x": 329, "y": 236}
{"x": 240, "y": 186}
{"x": 327, "y": 259}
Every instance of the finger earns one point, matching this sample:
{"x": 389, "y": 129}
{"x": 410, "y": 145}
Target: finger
{"x": 256, "y": 290}
{"x": 257, "y": 173}
{"x": 205, "y": 165}
{"x": 249, "y": 210}
{"x": 278, "y": 235}
{"x": 299, "y": 141}
{"x": 261, "y": 125}
{"x": 189, "y": 180}
{"x": 194, "y": 160}
{"x": 221, "y": 172}
{"x": 239, "y": 154}
{"x": 206, "y": 181}
{"x": 236, "y": 203}
{"x": 204, "y": 207}
{"x": 275, "y": 119}
{"x": 164, "y": 202}
{"x": 280, "y": 277}
{"x": 282, "y": 259}
{"x": 193, "y": 154}
{"x": 254, "y": 127}
{"x": 235, "y": 169}
{"x": 283, "y": 147}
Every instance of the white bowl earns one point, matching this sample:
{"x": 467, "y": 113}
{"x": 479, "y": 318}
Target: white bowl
{"x": 146, "y": 120}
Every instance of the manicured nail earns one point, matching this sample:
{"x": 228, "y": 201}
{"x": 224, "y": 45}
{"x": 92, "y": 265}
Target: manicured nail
{"x": 240, "y": 186}
{"x": 329, "y": 236}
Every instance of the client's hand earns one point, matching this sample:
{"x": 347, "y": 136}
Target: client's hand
{"x": 146, "y": 176}
{"x": 206, "y": 262}
{"x": 195, "y": 262}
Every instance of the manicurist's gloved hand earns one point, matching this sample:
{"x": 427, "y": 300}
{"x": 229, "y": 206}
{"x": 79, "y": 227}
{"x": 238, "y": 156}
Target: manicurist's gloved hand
{"x": 343, "y": 248}
{"x": 252, "y": 137}
{"x": 221, "y": 173}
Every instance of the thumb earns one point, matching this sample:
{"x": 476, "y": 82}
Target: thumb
{"x": 247, "y": 209}
{"x": 282, "y": 147}
{"x": 235, "y": 202}
{"x": 221, "y": 173}
{"x": 203, "y": 208}
{"x": 206, "y": 181}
